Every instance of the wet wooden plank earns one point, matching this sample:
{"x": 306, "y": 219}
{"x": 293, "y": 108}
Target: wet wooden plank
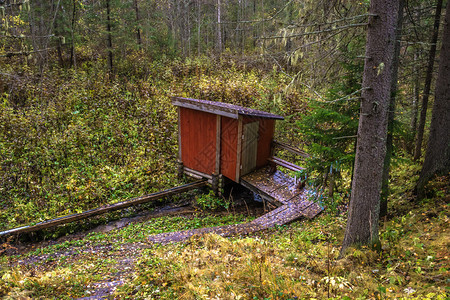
{"x": 284, "y": 195}
{"x": 274, "y": 187}
{"x": 311, "y": 211}
{"x": 266, "y": 181}
{"x": 278, "y": 188}
{"x": 285, "y": 164}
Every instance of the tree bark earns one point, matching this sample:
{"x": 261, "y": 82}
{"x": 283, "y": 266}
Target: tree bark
{"x": 219, "y": 27}
{"x": 138, "y": 20}
{"x": 73, "y": 58}
{"x": 364, "y": 208}
{"x": 199, "y": 26}
{"x": 415, "y": 104}
{"x": 437, "y": 156}
{"x": 429, "y": 77}
{"x": 109, "y": 37}
{"x": 391, "y": 113}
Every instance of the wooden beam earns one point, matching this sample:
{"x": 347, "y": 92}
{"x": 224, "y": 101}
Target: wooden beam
{"x": 179, "y": 134}
{"x": 239, "y": 149}
{"x": 104, "y": 209}
{"x": 218, "y": 141}
{"x": 286, "y": 164}
{"x": 290, "y": 148}
{"x": 196, "y": 174}
{"x": 201, "y": 106}
{"x": 263, "y": 194}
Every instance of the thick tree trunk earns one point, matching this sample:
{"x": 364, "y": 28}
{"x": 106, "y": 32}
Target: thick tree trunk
{"x": 391, "y": 114}
{"x": 437, "y": 156}
{"x": 364, "y": 208}
{"x": 429, "y": 77}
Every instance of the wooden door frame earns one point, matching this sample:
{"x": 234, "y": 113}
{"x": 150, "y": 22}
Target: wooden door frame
{"x": 249, "y": 147}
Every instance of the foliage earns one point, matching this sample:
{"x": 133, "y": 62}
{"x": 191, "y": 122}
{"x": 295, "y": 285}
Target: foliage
{"x": 211, "y": 201}
{"x": 330, "y": 128}
{"x": 80, "y": 139}
{"x": 296, "y": 260}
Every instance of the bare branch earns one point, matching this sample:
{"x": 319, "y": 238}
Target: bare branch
{"x": 262, "y": 20}
{"x": 345, "y": 97}
{"x": 15, "y": 4}
{"x": 25, "y": 36}
{"x": 315, "y": 32}
{"x": 332, "y": 22}
{"x": 279, "y": 66}
{"x": 344, "y": 137}
{"x": 302, "y": 83}
{"x": 24, "y": 53}
{"x": 318, "y": 41}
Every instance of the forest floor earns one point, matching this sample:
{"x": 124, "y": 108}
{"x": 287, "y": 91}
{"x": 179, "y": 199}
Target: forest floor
{"x": 299, "y": 260}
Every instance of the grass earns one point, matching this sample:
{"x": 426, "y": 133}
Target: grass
{"x": 81, "y": 141}
{"x": 296, "y": 261}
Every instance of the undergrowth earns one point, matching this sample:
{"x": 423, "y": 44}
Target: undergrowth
{"x": 72, "y": 140}
{"x": 296, "y": 261}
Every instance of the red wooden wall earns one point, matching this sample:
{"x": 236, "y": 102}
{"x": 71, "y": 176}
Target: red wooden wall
{"x": 228, "y": 157}
{"x": 198, "y": 140}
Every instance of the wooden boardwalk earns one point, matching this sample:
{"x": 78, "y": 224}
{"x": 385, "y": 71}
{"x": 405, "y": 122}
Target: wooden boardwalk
{"x": 276, "y": 188}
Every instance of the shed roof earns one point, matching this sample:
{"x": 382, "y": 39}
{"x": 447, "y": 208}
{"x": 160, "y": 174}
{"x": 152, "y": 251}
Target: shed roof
{"x": 223, "y": 109}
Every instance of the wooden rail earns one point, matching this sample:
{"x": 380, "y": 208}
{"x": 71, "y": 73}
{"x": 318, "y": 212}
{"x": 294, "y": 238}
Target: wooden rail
{"x": 290, "y": 149}
{"x": 286, "y": 164}
{"x": 104, "y": 209}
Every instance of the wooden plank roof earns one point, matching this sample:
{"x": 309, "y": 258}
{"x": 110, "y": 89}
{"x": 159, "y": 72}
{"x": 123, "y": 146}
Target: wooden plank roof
{"x": 223, "y": 109}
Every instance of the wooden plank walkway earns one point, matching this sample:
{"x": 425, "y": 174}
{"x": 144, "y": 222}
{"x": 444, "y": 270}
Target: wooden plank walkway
{"x": 276, "y": 188}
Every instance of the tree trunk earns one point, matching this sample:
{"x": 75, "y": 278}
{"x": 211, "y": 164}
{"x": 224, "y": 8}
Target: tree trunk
{"x": 138, "y": 21}
{"x": 437, "y": 156}
{"x": 415, "y": 104}
{"x": 364, "y": 208}
{"x": 199, "y": 25}
{"x": 109, "y": 38}
{"x": 59, "y": 44}
{"x": 73, "y": 58}
{"x": 391, "y": 113}
{"x": 429, "y": 77}
{"x": 331, "y": 185}
{"x": 219, "y": 27}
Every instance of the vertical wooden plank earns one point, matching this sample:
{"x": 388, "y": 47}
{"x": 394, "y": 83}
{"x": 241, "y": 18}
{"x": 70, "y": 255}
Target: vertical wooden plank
{"x": 266, "y": 133}
{"x": 218, "y": 144}
{"x": 239, "y": 149}
{"x": 198, "y": 140}
{"x": 228, "y": 145}
{"x": 249, "y": 147}
{"x": 179, "y": 135}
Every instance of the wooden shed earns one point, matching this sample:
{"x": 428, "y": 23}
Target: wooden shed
{"x": 217, "y": 138}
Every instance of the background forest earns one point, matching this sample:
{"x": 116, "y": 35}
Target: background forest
{"x": 86, "y": 118}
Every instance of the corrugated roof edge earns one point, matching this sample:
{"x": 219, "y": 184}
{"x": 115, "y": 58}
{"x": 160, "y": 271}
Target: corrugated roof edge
{"x": 220, "y": 108}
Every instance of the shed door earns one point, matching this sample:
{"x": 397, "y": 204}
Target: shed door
{"x": 249, "y": 147}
